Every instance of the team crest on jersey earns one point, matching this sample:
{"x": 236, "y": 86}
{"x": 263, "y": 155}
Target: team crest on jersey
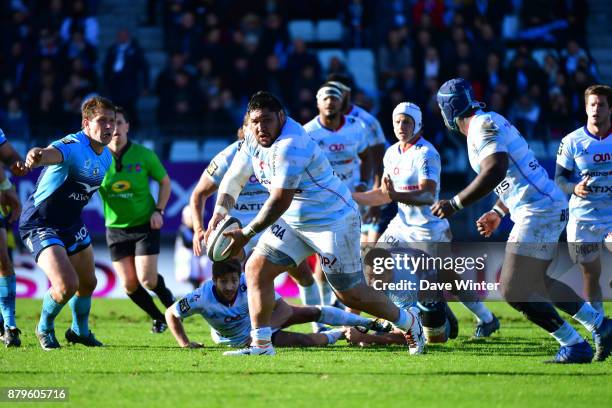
{"x": 184, "y": 305}
{"x": 96, "y": 171}
{"x": 212, "y": 168}
{"x": 87, "y": 164}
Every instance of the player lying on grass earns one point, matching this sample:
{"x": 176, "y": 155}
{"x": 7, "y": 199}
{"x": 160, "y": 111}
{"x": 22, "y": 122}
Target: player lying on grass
{"x": 223, "y": 303}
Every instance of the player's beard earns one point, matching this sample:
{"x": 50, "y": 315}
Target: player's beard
{"x": 332, "y": 116}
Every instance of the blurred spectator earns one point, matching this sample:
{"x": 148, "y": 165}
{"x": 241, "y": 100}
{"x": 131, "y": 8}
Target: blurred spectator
{"x": 572, "y": 54}
{"x": 126, "y": 73}
{"x": 432, "y": 8}
{"x": 14, "y": 121}
{"x": 393, "y": 57}
{"x": 79, "y": 19}
{"x": 525, "y": 114}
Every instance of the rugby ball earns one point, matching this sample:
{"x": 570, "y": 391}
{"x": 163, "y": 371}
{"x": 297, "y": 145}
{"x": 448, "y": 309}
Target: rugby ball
{"x": 217, "y": 242}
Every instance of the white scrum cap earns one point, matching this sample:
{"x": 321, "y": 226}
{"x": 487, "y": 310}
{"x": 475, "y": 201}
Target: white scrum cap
{"x": 325, "y": 91}
{"x": 412, "y": 110}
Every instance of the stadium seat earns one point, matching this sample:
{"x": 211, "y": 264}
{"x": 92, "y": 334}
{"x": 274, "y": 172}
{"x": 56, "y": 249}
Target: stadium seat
{"x": 185, "y": 151}
{"x": 365, "y": 78}
{"x": 326, "y": 55}
{"x": 510, "y": 27}
{"x": 360, "y": 56}
{"x": 510, "y": 53}
{"x": 212, "y": 147}
{"x": 303, "y": 29}
{"x": 329, "y": 31}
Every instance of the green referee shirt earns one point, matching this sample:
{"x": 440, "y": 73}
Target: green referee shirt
{"x": 125, "y": 189}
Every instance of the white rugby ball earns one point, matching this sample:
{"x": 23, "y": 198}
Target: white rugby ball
{"x": 217, "y": 242}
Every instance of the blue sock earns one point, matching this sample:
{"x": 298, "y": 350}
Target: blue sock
{"x": 50, "y": 309}
{"x": 80, "y": 314}
{"x": 8, "y": 285}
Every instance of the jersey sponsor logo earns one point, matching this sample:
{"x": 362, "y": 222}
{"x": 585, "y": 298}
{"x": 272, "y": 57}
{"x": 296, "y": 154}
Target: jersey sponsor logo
{"x": 68, "y": 140}
{"x": 79, "y": 196}
{"x": 596, "y": 173}
{"x": 533, "y": 165}
{"x": 278, "y": 231}
{"x": 121, "y": 186}
{"x": 184, "y": 305}
{"x": 502, "y": 187}
{"x": 248, "y": 207}
{"x": 88, "y": 188}
{"x": 253, "y": 179}
{"x": 396, "y": 171}
{"x": 602, "y": 157}
{"x": 229, "y": 319}
{"x": 328, "y": 261}
{"x": 212, "y": 168}
{"x": 336, "y": 147}
{"x": 560, "y": 151}
{"x": 81, "y": 234}
{"x": 600, "y": 189}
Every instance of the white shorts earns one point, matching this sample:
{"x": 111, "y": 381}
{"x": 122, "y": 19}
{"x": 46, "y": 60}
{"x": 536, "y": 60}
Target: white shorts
{"x": 338, "y": 245}
{"x": 585, "y": 239}
{"x": 399, "y": 234}
{"x": 537, "y": 235}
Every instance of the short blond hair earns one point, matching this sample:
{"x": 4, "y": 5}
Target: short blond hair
{"x": 95, "y": 105}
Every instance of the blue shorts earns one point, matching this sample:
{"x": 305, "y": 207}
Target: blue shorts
{"x": 74, "y": 238}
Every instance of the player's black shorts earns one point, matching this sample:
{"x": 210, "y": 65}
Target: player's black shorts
{"x": 132, "y": 241}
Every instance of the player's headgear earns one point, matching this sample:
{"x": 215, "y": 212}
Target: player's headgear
{"x": 412, "y": 110}
{"x": 344, "y": 82}
{"x": 455, "y": 98}
{"x": 328, "y": 90}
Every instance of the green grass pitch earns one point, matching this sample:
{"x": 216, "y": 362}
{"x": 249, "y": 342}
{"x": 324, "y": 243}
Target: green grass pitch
{"x": 137, "y": 368}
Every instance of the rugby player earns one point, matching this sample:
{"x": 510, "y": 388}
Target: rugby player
{"x": 309, "y": 210}
{"x": 51, "y": 226}
{"x": 223, "y": 303}
{"x": 505, "y": 164}
{"x": 412, "y": 179}
{"x": 584, "y": 171}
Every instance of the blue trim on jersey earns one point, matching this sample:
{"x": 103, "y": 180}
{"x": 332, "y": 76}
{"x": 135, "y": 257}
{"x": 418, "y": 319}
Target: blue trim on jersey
{"x": 599, "y": 139}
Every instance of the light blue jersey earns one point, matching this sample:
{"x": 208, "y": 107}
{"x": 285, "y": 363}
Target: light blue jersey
{"x": 375, "y": 134}
{"x": 295, "y": 161}
{"x": 527, "y": 189}
{"x": 342, "y": 146}
{"x": 230, "y": 324}
{"x": 420, "y": 161}
{"x": 253, "y": 195}
{"x": 585, "y": 155}
{"x": 63, "y": 189}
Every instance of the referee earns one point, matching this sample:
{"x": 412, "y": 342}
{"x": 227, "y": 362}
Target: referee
{"x": 133, "y": 220}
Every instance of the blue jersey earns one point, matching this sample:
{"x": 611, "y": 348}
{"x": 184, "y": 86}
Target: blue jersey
{"x": 585, "y": 155}
{"x": 295, "y": 161}
{"x": 2, "y": 138}
{"x": 63, "y": 189}
{"x": 230, "y": 324}
{"x": 527, "y": 189}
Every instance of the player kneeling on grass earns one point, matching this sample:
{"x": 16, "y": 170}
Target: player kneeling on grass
{"x": 223, "y": 302}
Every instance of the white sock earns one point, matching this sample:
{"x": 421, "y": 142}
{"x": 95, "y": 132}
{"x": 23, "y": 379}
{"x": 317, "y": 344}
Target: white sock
{"x": 333, "y": 335}
{"x": 337, "y": 317}
{"x": 589, "y": 317}
{"x": 327, "y": 293}
{"x": 261, "y": 335}
{"x": 309, "y": 295}
{"x": 405, "y": 320}
{"x": 566, "y": 335}
{"x": 479, "y": 310}
{"x": 597, "y": 305}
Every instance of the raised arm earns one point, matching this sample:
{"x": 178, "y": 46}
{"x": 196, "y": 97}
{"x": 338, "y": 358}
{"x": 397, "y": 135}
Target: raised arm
{"x": 38, "y": 156}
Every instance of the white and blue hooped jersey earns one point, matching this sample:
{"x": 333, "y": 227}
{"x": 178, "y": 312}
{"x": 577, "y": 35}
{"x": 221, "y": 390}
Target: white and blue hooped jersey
{"x": 586, "y": 155}
{"x": 341, "y": 146}
{"x": 295, "y": 161}
{"x": 253, "y": 195}
{"x": 230, "y": 324}
{"x": 63, "y": 189}
{"x": 375, "y": 134}
{"x": 527, "y": 189}
{"x": 420, "y": 161}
